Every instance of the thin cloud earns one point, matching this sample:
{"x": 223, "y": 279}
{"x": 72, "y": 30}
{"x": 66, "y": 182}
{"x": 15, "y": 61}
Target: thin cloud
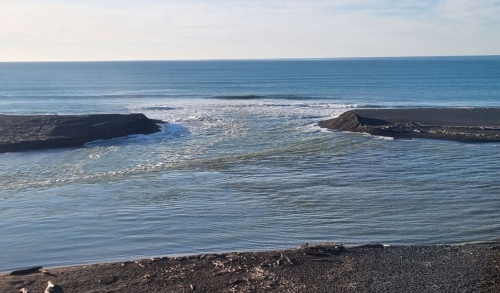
{"x": 195, "y": 29}
{"x": 477, "y": 12}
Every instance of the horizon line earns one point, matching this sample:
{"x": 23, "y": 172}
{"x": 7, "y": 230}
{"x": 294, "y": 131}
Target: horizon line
{"x": 259, "y": 59}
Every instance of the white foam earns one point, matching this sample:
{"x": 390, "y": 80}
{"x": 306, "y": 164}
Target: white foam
{"x": 197, "y": 130}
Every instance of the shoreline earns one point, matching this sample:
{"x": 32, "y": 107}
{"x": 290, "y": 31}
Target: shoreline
{"x": 83, "y": 263}
{"x": 308, "y": 268}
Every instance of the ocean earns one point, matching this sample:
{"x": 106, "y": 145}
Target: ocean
{"x": 241, "y": 164}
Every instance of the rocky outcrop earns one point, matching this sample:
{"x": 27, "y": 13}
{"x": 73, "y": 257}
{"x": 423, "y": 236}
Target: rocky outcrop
{"x": 20, "y": 133}
{"x": 459, "y": 124}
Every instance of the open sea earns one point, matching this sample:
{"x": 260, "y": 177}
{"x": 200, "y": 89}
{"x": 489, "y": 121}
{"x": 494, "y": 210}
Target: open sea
{"x": 242, "y": 164}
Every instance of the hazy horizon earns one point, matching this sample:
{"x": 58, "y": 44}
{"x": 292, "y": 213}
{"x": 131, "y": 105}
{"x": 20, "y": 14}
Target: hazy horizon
{"x": 155, "y": 30}
{"x": 266, "y": 59}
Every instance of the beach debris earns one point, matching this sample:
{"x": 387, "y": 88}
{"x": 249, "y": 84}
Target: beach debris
{"x": 48, "y": 273}
{"x": 284, "y": 258}
{"x": 53, "y": 288}
{"x": 218, "y": 263}
{"x": 26, "y": 271}
{"x": 322, "y": 249}
{"x": 228, "y": 270}
{"x": 139, "y": 264}
{"x": 24, "y": 290}
{"x": 191, "y": 286}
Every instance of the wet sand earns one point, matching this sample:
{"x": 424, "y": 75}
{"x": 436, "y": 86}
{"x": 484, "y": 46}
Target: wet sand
{"x": 459, "y": 124}
{"x": 321, "y": 268}
{"x": 21, "y": 133}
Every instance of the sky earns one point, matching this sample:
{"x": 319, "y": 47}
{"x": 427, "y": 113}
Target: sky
{"x": 98, "y": 30}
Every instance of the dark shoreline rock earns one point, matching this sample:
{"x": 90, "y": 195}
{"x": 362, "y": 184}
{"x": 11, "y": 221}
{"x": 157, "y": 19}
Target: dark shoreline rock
{"x": 437, "y": 268}
{"x": 458, "y": 124}
{"x": 26, "y": 271}
{"x": 21, "y": 133}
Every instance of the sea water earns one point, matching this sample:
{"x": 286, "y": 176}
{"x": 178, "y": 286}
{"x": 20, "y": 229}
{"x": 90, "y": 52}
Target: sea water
{"x": 242, "y": 164}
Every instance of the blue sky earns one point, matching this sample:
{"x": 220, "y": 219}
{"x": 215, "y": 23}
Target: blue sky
{"x": 221, "y": 29}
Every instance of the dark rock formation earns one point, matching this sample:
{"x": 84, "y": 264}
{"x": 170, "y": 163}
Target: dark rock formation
{"x": 459, "y": 124}
{"x": 20, "y": 133}
{"x": 26, "y": 271}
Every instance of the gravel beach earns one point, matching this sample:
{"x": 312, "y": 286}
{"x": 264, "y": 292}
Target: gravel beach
{"x": 316, "y": 268}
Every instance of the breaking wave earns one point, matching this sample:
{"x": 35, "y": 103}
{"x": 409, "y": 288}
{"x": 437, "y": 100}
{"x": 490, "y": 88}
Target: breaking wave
{"x": 266, "y": 97}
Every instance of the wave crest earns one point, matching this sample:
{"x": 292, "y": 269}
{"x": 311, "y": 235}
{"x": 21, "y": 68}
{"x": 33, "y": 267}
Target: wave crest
{"x": 266, "y": 97}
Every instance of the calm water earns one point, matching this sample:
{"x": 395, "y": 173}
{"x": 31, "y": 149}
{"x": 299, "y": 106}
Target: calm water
{"x": 242, "y": 164}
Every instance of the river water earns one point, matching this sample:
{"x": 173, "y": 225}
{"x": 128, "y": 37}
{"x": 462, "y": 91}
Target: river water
{"x": 242, "y": 164}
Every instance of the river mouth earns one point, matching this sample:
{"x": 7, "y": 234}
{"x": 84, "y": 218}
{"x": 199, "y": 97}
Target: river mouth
{"x": 242, "y": 164}
{"x": 242, "y": 176}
